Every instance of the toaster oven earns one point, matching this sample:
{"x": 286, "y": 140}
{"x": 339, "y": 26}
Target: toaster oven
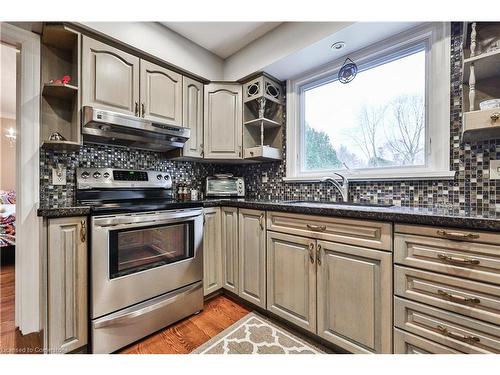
{"x": 225, "y": 185}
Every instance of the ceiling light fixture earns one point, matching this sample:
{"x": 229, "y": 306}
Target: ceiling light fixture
{"x": 337, "y": 45}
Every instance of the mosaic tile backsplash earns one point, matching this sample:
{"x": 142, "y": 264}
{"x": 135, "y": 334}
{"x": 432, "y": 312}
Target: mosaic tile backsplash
{"x": 101, "y": 156}
{"x": 471, "y": 190}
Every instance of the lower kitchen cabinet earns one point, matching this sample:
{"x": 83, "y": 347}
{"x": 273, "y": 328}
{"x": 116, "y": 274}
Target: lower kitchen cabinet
{"x": 229, "y": 218}
{"x": 354, "y": 288}
{"x": 291, "y": 279}
{"x": 212, "y": 250}
{"x": 67, "y": 284}
{"x": 252, "y": 256}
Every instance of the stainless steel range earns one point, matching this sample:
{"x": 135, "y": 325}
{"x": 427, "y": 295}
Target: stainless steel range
{"x": 146, "y": 255}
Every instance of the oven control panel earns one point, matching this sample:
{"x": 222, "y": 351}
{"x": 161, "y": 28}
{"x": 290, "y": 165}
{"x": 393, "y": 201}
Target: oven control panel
{"x": 96, "y": 178}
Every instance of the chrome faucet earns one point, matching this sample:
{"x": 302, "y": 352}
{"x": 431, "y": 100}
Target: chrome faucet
{"x": 342, "y": 188}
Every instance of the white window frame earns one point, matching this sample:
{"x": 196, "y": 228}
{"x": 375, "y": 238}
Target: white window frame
{"x": 436, "y": 38}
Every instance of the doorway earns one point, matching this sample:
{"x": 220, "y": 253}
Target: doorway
{"x": 8, "y": 135}
{"x": 21, "y": 281}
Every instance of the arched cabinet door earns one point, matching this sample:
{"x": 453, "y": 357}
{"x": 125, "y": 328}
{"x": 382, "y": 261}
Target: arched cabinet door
{"x": 192, "y": 116}
{"x": 223, "y": 121}
{"x": 110, "y": 78}
{"x": 161, "y": 94}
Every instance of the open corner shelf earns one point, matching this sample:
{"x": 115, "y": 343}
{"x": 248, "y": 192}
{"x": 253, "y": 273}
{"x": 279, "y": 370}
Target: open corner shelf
{"x": 61, "y": 145}
{"x": 486, "y": 65}
{"x": 60, "y": 103}
{"x": 262, "y": 153}
{"x": 59, "y": 90}
{"x": 59, "y": 36}
{"x": 267, "y": 123}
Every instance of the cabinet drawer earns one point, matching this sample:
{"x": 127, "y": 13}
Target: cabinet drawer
{"x": 476, "y": 300}
{"x": 373, "y": 234}
{"x": 481, "y": 119}
{"x": 406, "y": 343}
{"x": 455, "y": 331}
{"x": 462, "y": 235}
{"x": 478, "y": 261}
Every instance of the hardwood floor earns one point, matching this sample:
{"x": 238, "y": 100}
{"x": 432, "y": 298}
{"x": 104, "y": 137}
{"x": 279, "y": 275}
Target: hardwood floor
{"x": 7, "y": 325}
{"x": 186, "y": 335}
{"x": 11, "y": 339}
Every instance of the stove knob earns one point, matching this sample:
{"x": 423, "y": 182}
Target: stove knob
{"x": 96, "y": 175}
{"x": 106, "y": 175}
{"x": 167, "y": 177}
{"x": 85, "y": 175}
{"x": 159, "y": 177}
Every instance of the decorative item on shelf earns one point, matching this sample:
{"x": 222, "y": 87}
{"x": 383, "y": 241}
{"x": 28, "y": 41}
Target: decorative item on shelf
{"x": 262, "y": 107}
{"x": 489, "y": 104}
{"x": 348, "y": 71}
{"x": 63, "y": 81}
{"x": 56, "y": 136}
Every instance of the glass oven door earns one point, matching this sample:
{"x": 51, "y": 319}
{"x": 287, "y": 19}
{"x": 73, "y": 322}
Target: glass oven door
{"x": 138, "y": 249}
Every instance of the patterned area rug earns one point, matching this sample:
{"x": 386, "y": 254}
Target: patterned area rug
{"x": 254, "y": 334}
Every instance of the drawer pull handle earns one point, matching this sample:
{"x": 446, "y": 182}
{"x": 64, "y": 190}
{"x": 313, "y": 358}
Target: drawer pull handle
{"x": 495, "y": 116}
{"x": 261, "y": 222}
{"x": 311, "y": 252}
{"x": 459, "y": 299}
{"x": 468, "y": 339}
{"x": 318, "y": 255}
{"x": 317, "y": 228}
{"x": 457, "y": 235}
{"x": 458, "y": 261}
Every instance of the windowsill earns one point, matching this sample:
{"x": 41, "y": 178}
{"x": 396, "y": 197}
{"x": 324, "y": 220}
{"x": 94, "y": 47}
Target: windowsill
{"x": 408, "y": 176}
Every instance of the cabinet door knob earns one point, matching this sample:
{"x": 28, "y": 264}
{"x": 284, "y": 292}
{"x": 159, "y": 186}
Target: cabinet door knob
{"x": 261, "y": 221}
{"x": 136, "y": 108}
{"x": 495, "y": 116}
{"x": 143, "y": 109}
{"x": 83, "y": 231}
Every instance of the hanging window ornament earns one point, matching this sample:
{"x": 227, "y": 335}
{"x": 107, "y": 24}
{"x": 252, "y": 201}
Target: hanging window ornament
{"x": 348, "y": 71}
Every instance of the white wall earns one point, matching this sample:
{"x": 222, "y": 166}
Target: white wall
{"x": 7, "y": 156}
{"x": 165, "y": 44}
{"x": 284, "y": 40}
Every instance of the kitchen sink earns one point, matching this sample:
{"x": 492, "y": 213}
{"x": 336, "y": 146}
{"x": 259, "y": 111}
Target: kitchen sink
{"x": 353, "y": 204}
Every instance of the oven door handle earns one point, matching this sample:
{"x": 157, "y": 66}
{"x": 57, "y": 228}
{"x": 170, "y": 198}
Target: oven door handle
{"x": 143, "y": 219}
{"x": 126, "y": 317}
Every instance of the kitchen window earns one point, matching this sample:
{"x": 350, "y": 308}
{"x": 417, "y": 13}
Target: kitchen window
{"x": 391, "y": 122}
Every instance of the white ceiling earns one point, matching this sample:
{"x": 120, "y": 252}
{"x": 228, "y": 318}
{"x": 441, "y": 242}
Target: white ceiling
{"x": 7, "y": 81}
{"x": 222, "y": 38}
{"x": 355, "y": 36}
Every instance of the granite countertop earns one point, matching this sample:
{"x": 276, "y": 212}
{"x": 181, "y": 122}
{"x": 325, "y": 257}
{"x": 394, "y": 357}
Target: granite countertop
{"x": 409, "y": 215}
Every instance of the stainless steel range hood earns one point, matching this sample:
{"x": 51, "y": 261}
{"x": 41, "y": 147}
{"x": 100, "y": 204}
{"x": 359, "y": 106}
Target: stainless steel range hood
{"x": 102, "y": 126}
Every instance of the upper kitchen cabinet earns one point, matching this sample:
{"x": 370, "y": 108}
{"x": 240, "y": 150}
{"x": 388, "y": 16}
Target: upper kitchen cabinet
{"x": 223, "y": 121}
{"x": 192, "y": 113}
{"x": 161, "y": 94}
{"x": 110, "y": 78}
